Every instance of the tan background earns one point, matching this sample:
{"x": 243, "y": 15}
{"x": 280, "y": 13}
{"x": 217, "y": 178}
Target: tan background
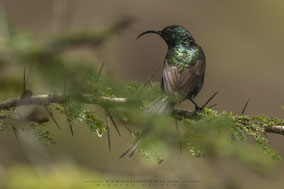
{"x": 243, "y": 43}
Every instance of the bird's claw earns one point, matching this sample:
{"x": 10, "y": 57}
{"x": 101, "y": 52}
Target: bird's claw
{"x": 198, "y": 109}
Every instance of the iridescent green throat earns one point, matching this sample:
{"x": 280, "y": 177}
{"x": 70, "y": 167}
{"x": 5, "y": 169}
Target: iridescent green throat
{"x": 184, "y": 55}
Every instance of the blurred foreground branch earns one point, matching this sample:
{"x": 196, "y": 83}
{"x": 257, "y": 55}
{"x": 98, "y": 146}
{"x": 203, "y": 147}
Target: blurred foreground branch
{"x": 61, "y": 99}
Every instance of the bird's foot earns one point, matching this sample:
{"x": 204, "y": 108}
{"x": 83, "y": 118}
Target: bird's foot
{"x": 198, "y": 108}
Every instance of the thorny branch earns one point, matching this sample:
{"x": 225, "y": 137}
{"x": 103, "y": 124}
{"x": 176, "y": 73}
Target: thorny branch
{"x": 61, "y": 99}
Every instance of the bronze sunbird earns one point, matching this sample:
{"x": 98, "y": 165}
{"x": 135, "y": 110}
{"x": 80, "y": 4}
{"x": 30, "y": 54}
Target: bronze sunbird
{"x": 183, "y": 74}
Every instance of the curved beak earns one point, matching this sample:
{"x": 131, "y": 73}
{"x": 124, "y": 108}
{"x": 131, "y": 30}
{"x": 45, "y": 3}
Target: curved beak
{"x": 150, "y": 31}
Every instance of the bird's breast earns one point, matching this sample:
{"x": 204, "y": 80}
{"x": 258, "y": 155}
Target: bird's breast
{"x": 183, "y": 56}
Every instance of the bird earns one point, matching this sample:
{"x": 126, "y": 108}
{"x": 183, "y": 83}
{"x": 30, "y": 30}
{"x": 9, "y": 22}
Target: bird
{"x": 182, "y": 78}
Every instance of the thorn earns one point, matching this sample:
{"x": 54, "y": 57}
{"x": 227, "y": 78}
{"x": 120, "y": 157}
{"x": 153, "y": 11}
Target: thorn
{"x": 29, "y": 73}
{"x": 26, "y": 93}
{"x": 245, "y": 107}
{"x": 70, "y": 125}
{"x": 64, "y": 86}
{"x": 112, "y": 120}
{"x": 178, "y": 133}
{"x": 124, "y": 153}
{"x": 210, "y": 99}
{"x": 51, "y": 115}
{"x": 133, "y": 148}
{"x": 99, "y": 74}
{"x": 24, "y": 81}
{"x": 147, "y": 80}
{"x": 108, "y": 132}
{"x": 132, "y": 153}
{"x": 131, "y": 132}
{"x": 212, "y": 106}
{"x": 266, "y": 137}
{"x": 16, "y": 133}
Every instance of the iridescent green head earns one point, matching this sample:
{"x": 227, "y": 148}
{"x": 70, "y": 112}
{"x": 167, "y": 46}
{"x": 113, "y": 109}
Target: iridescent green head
{"x": 173, "y": 35}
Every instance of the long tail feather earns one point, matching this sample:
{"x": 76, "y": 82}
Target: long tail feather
{"x": 157, "y": 107}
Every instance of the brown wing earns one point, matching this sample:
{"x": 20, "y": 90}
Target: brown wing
{"x": 186, "y": 82}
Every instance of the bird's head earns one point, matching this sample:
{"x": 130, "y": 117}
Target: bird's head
{"x": 173, "y": 35}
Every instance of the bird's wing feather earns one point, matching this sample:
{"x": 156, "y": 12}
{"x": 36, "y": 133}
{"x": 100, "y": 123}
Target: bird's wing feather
{"x": 186, "y": 82}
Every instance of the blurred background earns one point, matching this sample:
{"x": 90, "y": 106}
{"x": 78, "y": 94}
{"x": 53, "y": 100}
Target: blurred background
{"x": 243, "y": 44}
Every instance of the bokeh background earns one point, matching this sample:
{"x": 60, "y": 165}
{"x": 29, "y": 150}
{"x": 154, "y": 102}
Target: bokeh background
{"x": 243, "y": 43}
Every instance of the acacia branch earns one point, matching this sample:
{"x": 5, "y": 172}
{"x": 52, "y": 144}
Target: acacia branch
{"x": 278, "y": 129}
{"x": 61, "y": 99}
{"x": 49, "y": 99}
